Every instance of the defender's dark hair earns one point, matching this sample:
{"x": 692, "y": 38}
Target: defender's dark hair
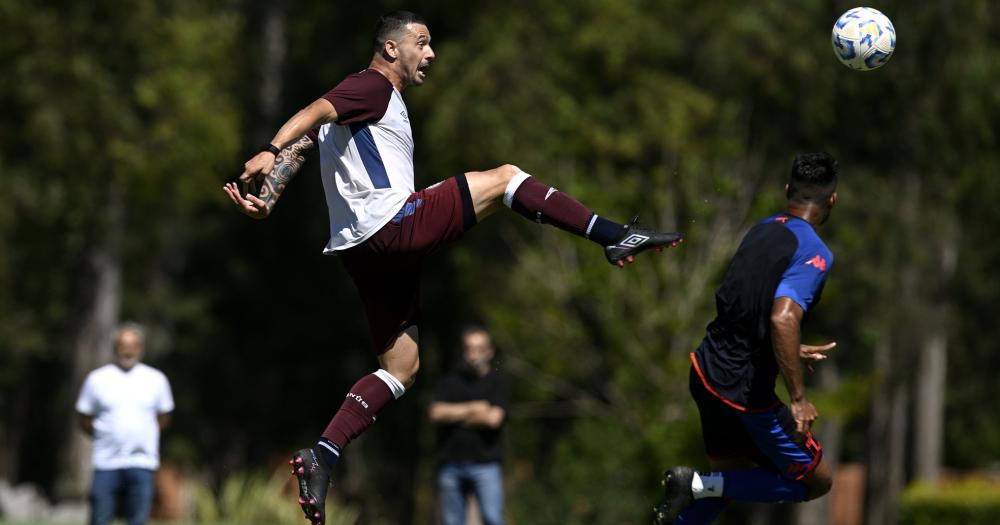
{"x": 389, "y": 26}
{"x": 814, "y": 178}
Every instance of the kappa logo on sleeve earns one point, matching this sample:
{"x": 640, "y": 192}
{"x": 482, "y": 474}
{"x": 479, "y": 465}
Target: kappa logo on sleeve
{"x": 818, "y": 262}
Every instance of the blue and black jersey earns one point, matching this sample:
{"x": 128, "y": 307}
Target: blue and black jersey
{"x": 781, "y": 256}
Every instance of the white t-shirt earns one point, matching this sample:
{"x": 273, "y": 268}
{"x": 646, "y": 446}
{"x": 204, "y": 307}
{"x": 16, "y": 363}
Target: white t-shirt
{"x": 366, "y": 158}
{"x": 124, "y": 406}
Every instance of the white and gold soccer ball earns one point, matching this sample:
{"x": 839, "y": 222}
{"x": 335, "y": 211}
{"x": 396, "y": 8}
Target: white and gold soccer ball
{"x": 863, "y": 38}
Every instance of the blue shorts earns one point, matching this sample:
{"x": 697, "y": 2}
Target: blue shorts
{"x": 766, "y": 436}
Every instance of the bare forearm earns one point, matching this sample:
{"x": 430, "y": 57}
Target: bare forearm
{"x": 785, "y": 337}
{"x": 491, "y": 417}
{"x": 444, "y": 413}
{"x": 447, "y": 413}
{"x": 318, "y": 113}
{"x": 286, "y": 166}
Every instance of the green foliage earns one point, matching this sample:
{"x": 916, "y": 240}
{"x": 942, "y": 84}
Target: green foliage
{"x": 970, "y": 502}
{"x": 595, "y": 476}
{"x": 688, "y": 112}
{"x": 105, "y": 104}
{"x": 257, "y": 498}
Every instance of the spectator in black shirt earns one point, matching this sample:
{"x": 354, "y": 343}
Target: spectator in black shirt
{"x": 470, "y": 407}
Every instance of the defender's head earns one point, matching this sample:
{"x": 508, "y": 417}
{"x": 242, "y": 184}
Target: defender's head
{"x": 813, "y": 183}
{"x": 403, "y": 41}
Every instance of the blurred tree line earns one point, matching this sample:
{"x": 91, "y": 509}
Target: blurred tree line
{"x": 119, "y": 123}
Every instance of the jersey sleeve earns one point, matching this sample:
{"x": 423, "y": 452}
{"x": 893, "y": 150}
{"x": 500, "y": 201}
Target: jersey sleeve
{"x": 86, "y": 403}
{"x": 803, "y": 281}
{"x": 359, "y": 98}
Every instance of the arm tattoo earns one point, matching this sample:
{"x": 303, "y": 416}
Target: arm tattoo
{"x": 286, "y": 167}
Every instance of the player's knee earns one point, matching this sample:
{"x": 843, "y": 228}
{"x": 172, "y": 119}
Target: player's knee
{"x": 408, "y": 374}
{"x": 409, "y": 381}
{"x": 506, "y": 172}
{"x": 495, "y": 178}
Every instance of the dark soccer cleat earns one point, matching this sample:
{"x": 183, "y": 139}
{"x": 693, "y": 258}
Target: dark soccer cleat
{"x": 637, "y": 240}
{"x": 677, "y": 495}
{"x": 314, "y": 480}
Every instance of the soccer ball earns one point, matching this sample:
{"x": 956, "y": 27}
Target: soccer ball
{"x": 863, "y": 39}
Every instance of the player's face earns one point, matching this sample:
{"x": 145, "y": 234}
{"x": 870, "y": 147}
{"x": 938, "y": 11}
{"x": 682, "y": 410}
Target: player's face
{"x": 128, "y": 349}
{"x": 414, "y": 54}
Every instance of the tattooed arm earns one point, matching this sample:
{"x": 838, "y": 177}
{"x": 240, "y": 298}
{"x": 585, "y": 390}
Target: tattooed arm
{"x": 286, "y": 166}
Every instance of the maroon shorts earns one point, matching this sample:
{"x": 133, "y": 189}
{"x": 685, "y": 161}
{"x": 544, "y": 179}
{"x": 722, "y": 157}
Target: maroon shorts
{"x": 386, "y": 267}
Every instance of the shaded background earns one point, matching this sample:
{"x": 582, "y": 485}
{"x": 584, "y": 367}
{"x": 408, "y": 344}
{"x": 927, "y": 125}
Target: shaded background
{"x": 119, "y": 123}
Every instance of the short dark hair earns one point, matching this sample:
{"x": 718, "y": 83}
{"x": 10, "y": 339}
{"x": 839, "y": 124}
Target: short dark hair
{"x": 389, "y": 25}
{"x": 814, "y": 178}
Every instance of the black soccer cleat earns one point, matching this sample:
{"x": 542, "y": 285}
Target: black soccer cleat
{"x": 637, "y": 240}
{"x": 314, "y": 480}
{"x": 677, "y": 495}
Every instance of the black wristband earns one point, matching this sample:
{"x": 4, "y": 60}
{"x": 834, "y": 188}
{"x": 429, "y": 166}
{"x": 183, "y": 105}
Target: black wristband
{"x": 275, "y": 150}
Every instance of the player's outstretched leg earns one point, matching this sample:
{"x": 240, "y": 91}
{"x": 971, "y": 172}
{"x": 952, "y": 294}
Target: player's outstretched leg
{"x": 541, "y": 203}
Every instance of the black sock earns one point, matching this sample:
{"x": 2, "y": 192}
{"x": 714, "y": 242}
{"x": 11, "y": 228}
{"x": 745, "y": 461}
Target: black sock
{"x": 329, "y": 452}
{"x": 605, "y": 232}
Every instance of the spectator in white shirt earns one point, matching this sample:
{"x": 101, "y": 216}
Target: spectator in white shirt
{"x": 122, "y": 406}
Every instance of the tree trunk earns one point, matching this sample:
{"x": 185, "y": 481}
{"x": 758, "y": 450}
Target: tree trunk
{"x": 92, "y": 341}
{"x": 893, "y": 364}
{"x": 931, "y": 382}
{"x": 881, "y": 410}
{"x": 886, "y": 457}
{"x": 896, "y": 475}
{"x": 929, "y": 409}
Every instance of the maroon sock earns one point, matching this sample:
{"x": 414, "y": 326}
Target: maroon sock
{"x": 544, "y": 204}
{"x": 367, "y": 397}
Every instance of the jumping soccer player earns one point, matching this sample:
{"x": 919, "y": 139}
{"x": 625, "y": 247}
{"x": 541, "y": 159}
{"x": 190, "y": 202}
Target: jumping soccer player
{"x": 760, "y": 449}
{"x": 382, "y": 229}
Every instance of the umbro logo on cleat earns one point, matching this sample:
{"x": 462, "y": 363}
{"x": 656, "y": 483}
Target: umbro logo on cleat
{"x": 633, "y": 240}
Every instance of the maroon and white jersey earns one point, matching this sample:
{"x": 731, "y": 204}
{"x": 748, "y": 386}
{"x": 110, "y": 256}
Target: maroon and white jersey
{"x": 366, "y": 158}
